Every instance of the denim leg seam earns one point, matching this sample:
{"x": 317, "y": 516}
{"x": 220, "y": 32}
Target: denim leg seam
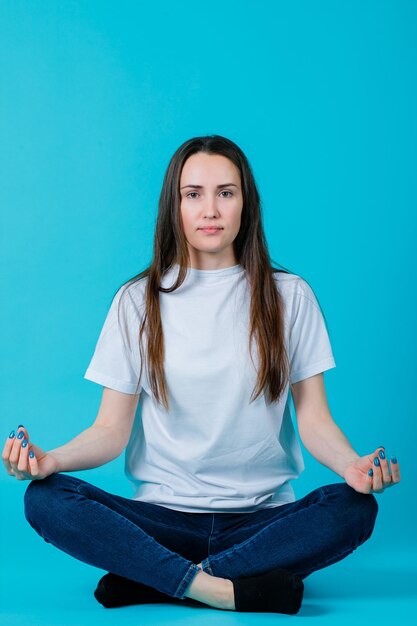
{"x": 321, "y": 564}
{"x": 210, "y": 534}
{"x": 205, "y": 564}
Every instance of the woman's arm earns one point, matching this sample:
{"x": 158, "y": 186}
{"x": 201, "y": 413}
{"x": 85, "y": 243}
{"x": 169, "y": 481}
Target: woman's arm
{"x": 105, "y": 439}
{"x": 318, "y": 431}
{"x": 328, "y": 444}
{"x": 94, "y": 446}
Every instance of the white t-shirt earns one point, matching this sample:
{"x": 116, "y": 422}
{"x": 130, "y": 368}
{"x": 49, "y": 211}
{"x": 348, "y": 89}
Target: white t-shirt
{"x": 212, "y": 451}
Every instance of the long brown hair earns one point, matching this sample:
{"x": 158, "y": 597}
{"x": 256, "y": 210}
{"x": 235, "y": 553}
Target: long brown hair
{"x": 251, "y": 251}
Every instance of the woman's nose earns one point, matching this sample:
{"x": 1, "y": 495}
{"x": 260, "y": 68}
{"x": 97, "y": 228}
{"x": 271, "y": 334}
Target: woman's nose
{"x": 210, "y": 208}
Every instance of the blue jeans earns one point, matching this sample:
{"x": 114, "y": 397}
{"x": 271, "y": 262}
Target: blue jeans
{"x": 160, "y": 547}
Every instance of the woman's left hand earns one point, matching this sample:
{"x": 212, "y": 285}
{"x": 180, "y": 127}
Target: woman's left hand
{"x": 367, "y": 476}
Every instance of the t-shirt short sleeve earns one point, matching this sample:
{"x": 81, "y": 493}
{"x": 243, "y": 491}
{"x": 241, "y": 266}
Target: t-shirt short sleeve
{"x": 116, "y": 359}
{"x": 310, "y": 351}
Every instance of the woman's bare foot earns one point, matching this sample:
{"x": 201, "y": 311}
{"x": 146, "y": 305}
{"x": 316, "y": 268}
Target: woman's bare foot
{"x": 212, "y": 590}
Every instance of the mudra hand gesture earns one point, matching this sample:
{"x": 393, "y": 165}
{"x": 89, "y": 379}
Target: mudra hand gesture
{"x": 371, "y": 473}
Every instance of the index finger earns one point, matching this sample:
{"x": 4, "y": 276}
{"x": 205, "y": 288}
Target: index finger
{"x": 33, "y": 463}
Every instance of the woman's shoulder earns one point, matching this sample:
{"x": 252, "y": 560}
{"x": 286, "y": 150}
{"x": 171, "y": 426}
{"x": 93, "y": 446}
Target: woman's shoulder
{"x": 284, "y": 276}
{"x": 288, "y": 280}
{"x": 131, "y": 294}
{"x": 291, "y": 285}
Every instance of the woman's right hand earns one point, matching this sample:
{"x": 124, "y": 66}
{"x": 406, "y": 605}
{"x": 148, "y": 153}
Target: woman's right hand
{"x": 19, "y": 461}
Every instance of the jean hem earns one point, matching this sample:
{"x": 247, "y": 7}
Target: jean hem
{"x": 186, "y": 581}
{"x": 205, "y": 564}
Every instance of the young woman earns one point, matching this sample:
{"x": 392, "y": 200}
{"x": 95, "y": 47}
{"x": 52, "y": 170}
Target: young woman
{"x": 207, "y": 341}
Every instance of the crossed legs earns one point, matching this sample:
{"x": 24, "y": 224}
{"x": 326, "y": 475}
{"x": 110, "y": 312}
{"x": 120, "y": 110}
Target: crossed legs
{"x": 134, "y": 540}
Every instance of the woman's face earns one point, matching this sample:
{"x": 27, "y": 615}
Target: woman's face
{"x": 211, "y": 195}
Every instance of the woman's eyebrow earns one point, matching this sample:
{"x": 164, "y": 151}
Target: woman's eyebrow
{"x": 218, "y": 186}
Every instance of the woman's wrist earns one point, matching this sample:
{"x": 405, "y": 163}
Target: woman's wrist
{"x": 55, "y": 458}
{"x": 93, "y": 447}
{"x": 349, "y": 462}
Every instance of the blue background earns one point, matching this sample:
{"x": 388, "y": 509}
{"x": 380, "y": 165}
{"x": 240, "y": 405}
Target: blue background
{"x": 95, "y": 98}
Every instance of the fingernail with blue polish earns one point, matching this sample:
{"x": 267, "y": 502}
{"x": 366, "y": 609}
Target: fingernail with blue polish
{"x": 25, "y": 443}
{"x": 31, "y": 454}
{"x": 371, "y": 472}
{"x": 21, "y": 435}
{"x": 11, "y": 434}
{"x": 381, "y": 454}
{"x": 376, "y": 461}
{"x": 393, "y": 459}
{"x": 20, "y": 426}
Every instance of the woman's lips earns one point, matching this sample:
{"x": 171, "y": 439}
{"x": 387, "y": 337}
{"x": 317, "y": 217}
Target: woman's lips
{"x": 211, "y": 231}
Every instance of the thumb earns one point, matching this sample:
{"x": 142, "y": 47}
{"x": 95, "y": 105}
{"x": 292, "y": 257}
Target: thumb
{"x": 367, "y": 461}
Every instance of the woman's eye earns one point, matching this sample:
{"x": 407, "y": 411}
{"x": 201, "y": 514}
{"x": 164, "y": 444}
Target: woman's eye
{"x": 193, "y": 193}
